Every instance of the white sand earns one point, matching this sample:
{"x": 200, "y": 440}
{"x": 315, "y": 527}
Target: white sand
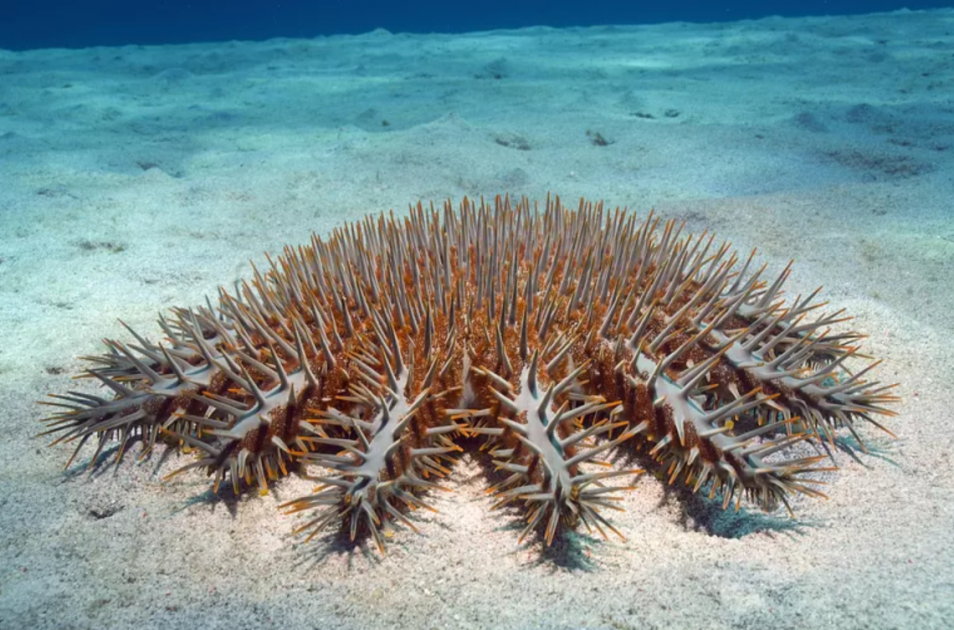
{"x": 135, "y": 179}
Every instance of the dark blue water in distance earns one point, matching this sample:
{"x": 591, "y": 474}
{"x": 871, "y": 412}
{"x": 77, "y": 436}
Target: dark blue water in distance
{"x": 26, "y": 24}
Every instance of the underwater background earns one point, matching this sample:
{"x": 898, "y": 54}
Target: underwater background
{"x": 153, "y": 152}
{"x": 49, "y": 23}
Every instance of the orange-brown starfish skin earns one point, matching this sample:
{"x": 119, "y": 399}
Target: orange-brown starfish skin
{"x": 557, "y": 335}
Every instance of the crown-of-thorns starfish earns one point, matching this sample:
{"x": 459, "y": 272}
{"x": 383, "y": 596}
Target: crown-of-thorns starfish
{"x": 551, "y": 337}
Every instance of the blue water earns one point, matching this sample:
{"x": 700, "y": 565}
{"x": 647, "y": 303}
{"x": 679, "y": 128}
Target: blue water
{"x": 71, "y": 23}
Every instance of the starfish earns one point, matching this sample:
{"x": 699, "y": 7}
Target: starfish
{"x": 549, "y": 338}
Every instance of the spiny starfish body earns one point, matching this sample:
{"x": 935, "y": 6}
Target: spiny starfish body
{"x": 551, "y": 337}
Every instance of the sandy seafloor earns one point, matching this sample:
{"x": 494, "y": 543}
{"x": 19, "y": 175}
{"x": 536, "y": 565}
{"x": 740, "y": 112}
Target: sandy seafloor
{"x": 136, "y": 179}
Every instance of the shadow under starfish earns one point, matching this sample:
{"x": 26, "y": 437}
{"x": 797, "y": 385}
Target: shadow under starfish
{"x": 108, "y": 458}
{"x": 570, "y": 550}
{"x": 699, "y": 513}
